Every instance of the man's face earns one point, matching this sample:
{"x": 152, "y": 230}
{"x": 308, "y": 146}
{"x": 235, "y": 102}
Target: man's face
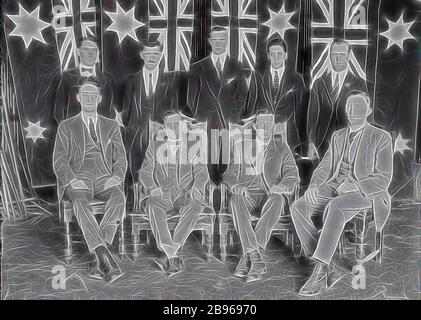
{"x": 357, "y": 111}
{"x": 152, "y": 57}
{"x": 339, "y": 56}
{"x": 88, "y": 53}
{"x": 89, "y": 98}
{"x": 219, "y": 42}
{"x": 277, "y": 57}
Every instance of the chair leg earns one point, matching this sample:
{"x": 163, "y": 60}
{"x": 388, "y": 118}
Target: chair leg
{"x": 223, "y": 242}
{"x": 68, "y": 252}
{"x": 209, "y": 242}
{"x": 203, "y": 233}
{"x": 359, "y": 232}
{"x": 231, "y": 238}
{"x": 121, "y": 244}
{"x": 136, "y": 240}
{"x": 379, "y": 246}
{"x": 148, "y": 240}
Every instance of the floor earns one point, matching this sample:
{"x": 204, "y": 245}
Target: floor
{"x": 33, "y": 251}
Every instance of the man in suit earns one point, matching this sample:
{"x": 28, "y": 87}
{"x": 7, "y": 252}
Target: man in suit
{"x": 328, "y": 96}
{"x": 281, "y": 91}
{"x": 66, "y": 104}
{"x": 217, "y": 92}
{"x": 260, "y": 186}
{"x": 147, "y": 96}
{"x": 90, "y": 163}
{"x": 175, "y": 185}
{"x": 354, "y": 175}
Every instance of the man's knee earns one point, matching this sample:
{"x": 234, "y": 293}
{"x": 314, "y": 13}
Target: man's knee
{"x": 276, "y": 200}
{"x": 298, "y": 207}
{"x": 194, "y": 207}
{"x": 77, "y": 195}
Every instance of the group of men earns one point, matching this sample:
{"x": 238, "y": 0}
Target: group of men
{"x": 105, "y": 133}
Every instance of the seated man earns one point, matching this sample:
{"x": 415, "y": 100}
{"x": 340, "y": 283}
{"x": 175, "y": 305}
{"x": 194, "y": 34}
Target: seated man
{"x": 90, "y": 163}
{"x": 176, "y": 186}
{"x": 354, "y": 175}
{"x": 260, "y": 185}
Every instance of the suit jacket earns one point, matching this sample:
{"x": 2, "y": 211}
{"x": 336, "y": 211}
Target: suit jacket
{"x": 69, "y": 149}
{"x": 286, "y": 103}
{"x": 326, "y": 114}
{"x": 154, "y": 172}
{"x": 137, "y": 109}
{"x": 66, "y": 104}
{"x": 373, "y": 167}
{"x": 279, "y": 168}
{"x": 217, "y": 100}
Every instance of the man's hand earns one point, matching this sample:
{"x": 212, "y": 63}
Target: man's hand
{"x": 278, "y": 189}
{"x": 348, "y": 187}
{"x": 313, "y": 154}
{"x": 157, "y": 192}
{"x": 311, "y": 195}
{"x": 112, "y": 182}
{"x": 196, "y": 195}
{"x": 79, "y": 185}
{"x": 239, "y": 190}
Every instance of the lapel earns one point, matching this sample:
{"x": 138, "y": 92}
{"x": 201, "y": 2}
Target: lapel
{"x": 280, "y": 92}
{"x": 360, "y": 150}
{"x": 339, "y": 151}
{"x": 102, "y": 132}
{"x": 267, "y": 82}
{"x": 79, "y": 135}
{"x": 213, "y": 80}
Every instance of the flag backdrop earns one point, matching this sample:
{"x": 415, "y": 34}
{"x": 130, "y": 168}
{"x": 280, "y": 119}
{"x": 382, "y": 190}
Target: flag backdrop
{"x": 390, "y": 61}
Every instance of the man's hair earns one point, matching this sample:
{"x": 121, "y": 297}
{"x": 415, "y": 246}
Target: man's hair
{"x": 90, "y": 82}
{"x": 218, "y": 29}
{"x": 277, "y": 41}
{"x": 88, "y": 39}
{"x": 340, "y": 42}
{"x": 361, "y": 94}
{"x": 151, "y": 43}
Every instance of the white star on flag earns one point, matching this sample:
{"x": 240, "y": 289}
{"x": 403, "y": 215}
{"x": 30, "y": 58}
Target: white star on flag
{"x": 124, "y": 23}
{"x": 279, "y": 22}
{"x": 35, "y": 131}
{"x": 398, "y": 33}
{"x": 401, "y": 145}
{"x": 28, "y": 26}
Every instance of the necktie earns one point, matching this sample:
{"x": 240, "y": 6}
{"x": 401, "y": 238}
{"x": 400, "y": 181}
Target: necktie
{"x": 219, "y": 67}
{"x": 150, "y": 85}
{"x": 92, "y": 131}
{"x": 276, "y": 80}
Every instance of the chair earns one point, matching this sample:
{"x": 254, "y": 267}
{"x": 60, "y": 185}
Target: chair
{"x": 359, "y": 230}
{"x": 98, "y": 210}
{"x": 140, "y": 221}
{"x": 285, "y": 226}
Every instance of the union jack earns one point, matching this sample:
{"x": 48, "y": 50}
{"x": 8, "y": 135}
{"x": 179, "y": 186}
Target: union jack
{"x": 348, "y": 16}
{"x": 72, "y": 21}
{"x": 172, "y": 21}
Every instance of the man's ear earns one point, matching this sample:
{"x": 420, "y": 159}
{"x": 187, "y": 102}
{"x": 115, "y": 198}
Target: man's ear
{"x": 99, "y": 99}
{"x": 78, "y": 98}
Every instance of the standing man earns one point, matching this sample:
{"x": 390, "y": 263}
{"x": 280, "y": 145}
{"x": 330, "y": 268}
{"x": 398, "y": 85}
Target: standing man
{"x": 260, "y": 187}
{"x": 217, "y": 92}
{"x": 90, "y": 163}
{"x": 354, "y": 175}
{"x": 175, "y": 187}
{"x": 147, "y": 96}
{"x": 281, "y": 92}
{"x": 66, "y": 103}
{"x": 328, "y": 97}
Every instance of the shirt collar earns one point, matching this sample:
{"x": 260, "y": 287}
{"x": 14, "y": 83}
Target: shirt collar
{"x": 280, "y": 72}
{"x": 222, "y": 57}
{"x": 87, "y": 119}
{"x": 339, "y": 77}
{"x": 146, "y": 75}
{"x": 88, "y": 72}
